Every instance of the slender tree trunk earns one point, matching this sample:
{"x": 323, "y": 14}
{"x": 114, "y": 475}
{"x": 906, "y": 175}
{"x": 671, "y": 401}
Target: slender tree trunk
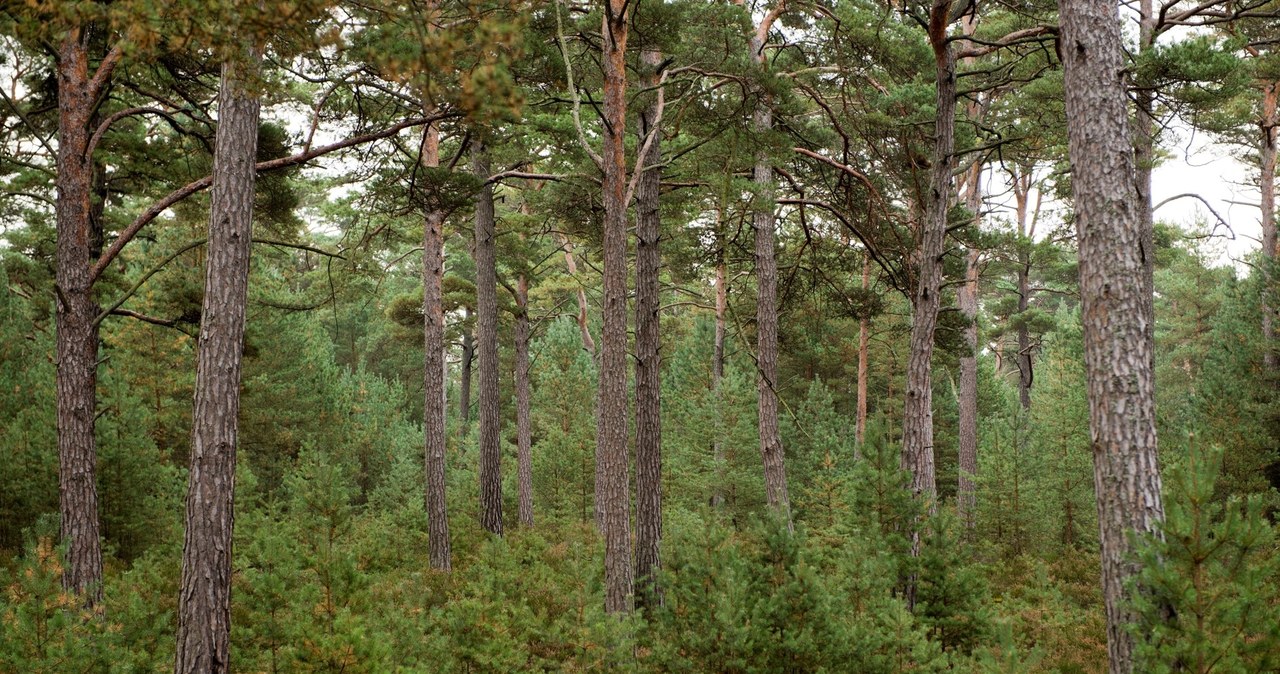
{"x": 1267, "y": 186}
{"x": 524, "y": 428}
{"x": 1026, "y": 375}
{"x": 648, "y": 343}
{"x": 763, "y": 221}
{"x": 614, "y": 494}
{"x": 77, "y": 329}
{"x": 967, "y": 299}
{"x": 487, "y": 330}
{"x": 204, "y": 606}
{"x": 433, "y": 366}
{"x": 864, "y": 343}
{"x": 468, "y": 357}
{"x": 917, "y": 422}
{"x": 717, "y": 363}
{"x": 1117, "y": 336}
{"x": 588, "y": 344}
{"x": 1022, "y": 184}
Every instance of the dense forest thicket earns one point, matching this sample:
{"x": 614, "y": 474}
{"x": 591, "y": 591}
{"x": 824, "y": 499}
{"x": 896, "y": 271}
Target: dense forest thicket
{"x": 633, "y": 335}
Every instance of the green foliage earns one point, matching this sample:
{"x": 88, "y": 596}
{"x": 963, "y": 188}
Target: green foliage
{"x": 1208, "y": 592}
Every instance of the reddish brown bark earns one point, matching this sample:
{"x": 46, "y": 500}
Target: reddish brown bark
{"x": 917, "y": 422}
{"x": 613, "y": 492}
{"x": 204, "y": 605}
{"x": 77, "y": 329}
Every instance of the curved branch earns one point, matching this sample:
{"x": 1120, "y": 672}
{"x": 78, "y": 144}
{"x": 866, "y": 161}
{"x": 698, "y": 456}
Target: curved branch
{"x": 189, "y": 189}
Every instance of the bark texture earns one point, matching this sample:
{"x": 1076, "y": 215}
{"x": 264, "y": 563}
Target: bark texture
{"x": 435, "y": 404}
{"x": 917, "y": 421}
{"x": 524, "y": 426}
{"x": 204, "y": 606}
{"x": 77, "y": 329}
{"x": 613, "y": 492}
{"x": 763, "y": 221}
{"x": 648, "y": 343}
{"x": 487, "y": 332}
{"x": 1117, "y": 335}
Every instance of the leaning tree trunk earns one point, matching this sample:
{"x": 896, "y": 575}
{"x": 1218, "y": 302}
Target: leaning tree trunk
{"x": 614, "y": 494}
{"x": 524, "y": 427}
{"x": 648, "y": 342}
{"x": 1267, "y": 186}
{"x": 1117, "y": 334}
{"x": 487, "y": 331}
{"x": 763, "y": 220}
{"x": 435, "y": 403}
{"x": 204, "y": 605}
{"x": 917, "y": 420}
{"x": 77, "y": 327}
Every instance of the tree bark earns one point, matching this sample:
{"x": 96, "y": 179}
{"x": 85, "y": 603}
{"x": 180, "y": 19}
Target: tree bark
{"x": 717, "y": 361}
{"x": 864, "y": 343}
{"x": 588, "y": 344}
{"x": 1267, "y": 187}
{"x": 614, "y": 493}
{"x": 487, "y": 331}
{"x": 648, "y": 343}
{"x": 917, "y": 421}
{"x": 1144, "y": 150}
{"x": 763, "y": 221}
{"x": 967, "y": 299}
{"x": 464, "y": 388}
{"x": 524, "y": 427}
{"x": 435, "y": 403}
{"x": 1022, "y": 184}
{"x": 77, "y": 329}
{"x": 204, "y": 607}
{"x": 1117, "y": 333}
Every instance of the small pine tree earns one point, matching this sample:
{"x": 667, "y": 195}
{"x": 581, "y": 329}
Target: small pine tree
{"x": 1210, "y": 599}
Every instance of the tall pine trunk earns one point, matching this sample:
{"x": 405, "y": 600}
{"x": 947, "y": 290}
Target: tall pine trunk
{"x": 613, "y": 493}
{"x": 917, "y": 421}
{"x": 524, "y": 426}
{"x": 433, "y": 365}
{"x": 1117, "y": 334}
{"x": 763, "y": 221}
{"x": 76, "y": 324}
{"x": 648, "y": 343}
{"x": 487, "y": 333}
{"x": 204, "y": 606}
